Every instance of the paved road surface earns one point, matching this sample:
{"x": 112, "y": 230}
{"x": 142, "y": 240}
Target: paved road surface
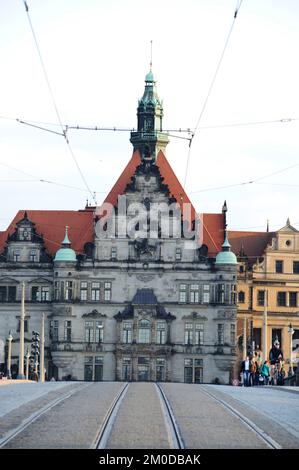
{"x": 78, "y": 411}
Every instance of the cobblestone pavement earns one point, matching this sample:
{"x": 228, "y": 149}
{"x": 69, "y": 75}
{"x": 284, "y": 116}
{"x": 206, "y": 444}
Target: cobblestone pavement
{"x": 15, "y": 393}
{"x": 279, "y": 404}
{"x": 205, "y": 424}
{"x": 140, "y": 423}
{"x": 73, "y": 423}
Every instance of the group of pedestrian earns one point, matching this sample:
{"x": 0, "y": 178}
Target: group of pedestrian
{"x": 256, "y": 372}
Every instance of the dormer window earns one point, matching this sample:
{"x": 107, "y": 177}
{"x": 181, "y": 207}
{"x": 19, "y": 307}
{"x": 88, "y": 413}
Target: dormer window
{"x": 24, "y": 233}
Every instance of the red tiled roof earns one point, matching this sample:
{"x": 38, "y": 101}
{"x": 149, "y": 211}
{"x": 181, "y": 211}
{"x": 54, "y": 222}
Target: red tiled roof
{"x": 51, "y": 226}
{"x": 253, "y": 243}
{"x": 212, "y": 223}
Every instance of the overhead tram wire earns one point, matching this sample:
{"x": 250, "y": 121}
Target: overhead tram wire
{"x": 67, "y": 127}
{"x": 239, "y": 3}
{"x": 64, "y": 134}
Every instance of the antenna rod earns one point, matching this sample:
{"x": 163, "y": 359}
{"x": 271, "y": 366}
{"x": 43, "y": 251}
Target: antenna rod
{"x": 151, "y": 62}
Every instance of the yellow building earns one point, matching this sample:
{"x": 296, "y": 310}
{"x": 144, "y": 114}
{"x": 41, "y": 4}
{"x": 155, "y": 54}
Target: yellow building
{"x": 268, "y": 292}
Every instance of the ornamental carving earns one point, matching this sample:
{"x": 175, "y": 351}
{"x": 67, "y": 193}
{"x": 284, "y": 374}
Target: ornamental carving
{"x": 145, "y": 277}
{"x": 94, "y": 314}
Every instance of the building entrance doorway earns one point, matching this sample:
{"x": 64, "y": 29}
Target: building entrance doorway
{"x": 143, "y": 373}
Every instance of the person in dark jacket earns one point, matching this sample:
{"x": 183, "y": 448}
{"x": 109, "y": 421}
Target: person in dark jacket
{"x": 245, "y": 368}
{"x": 275, "y": 353}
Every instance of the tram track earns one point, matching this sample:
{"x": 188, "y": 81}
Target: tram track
{"x": 104, "y": 432}
{"x": 174, "y": 431}
{"x": 10, "y": 435}
{"x": 271, "y": 443}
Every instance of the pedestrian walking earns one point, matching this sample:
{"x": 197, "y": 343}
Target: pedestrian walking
{"x": 272, "y": 375}
{"x": 265, "y": 372}
{"x": 253, "y": 372}
{"x": 245, "y": 368}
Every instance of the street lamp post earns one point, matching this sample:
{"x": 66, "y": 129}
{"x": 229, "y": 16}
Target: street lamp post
{"x": 9, "y": 339}
{"x": 22, "y": 329}
{"x": 291, "y": 331}
{"x": 27, "y": 363}
{"x": 265, "y": 325}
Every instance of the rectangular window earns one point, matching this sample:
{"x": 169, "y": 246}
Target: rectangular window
{"x": 220, "y": 333}
{"x": 34, "y": 294}
{"x": 3, "y": 293}
{"x": 296, "y": 267}
{"x": 113, "y": 252}
{"x": 160, "y": 369}
{"x": 95, "y": 291}
{"x": 107, "y": 291}
{"x": 68, "y": 290}
{"x": 99, "y": 332}
{"x": 178, "y": 254}
{"x": 45, "y": 294}
{"x": 56, "y": 290}
{"x": 127, "y": 332}
{"x": 33, "y": 256}
{"x": 143, "y": 360}
{"x": 261, "y": 297}
{"x": 293, "y": 299}
{"x": 83, "y": 291}
{"x": 16, "y": 255}
{"x": 206, "y": 293}
{"x": 279, "y": 266}
{"x": 183, "y": 293}
{"x": 89, "y": 331}
{"x": 126, "y": 368}
{"x": 194, "y": 293}
{"x": 68, "y": 331}
{"x": 12, "y": 293}
{"x": 281, "y": 299}
{"x": 144, "y": 333}
{"x": 189, "y": 334}
{"x": 54, "y": 330}
{"x": 233, "y": 334}
{"x": 257, "y": 338}
{"x": 199, "y": 334}
{"x": 25, "y": 326}
{"x": 220, "y": 293}
{"x": 233, "y": 293}
{"x": 161, "y": 332}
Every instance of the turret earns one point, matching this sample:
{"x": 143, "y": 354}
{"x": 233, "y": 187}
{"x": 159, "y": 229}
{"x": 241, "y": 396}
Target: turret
{"x": 65, "y": 254}
{"x": 149, "y": 138}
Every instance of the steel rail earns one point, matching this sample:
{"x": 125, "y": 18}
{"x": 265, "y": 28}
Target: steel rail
{"x": 104, "y": 432}
{"x": 256, "y": 429}
{"x": 37, "y": 414}
{"x": 177, "y": 440}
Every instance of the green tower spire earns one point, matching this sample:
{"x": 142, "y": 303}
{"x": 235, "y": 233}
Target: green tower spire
{"x": 149, "y": 138}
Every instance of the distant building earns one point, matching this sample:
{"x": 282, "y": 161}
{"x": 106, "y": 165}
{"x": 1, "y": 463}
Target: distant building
{"x": 147, "y": 307}
{"x": 268, "y": 270}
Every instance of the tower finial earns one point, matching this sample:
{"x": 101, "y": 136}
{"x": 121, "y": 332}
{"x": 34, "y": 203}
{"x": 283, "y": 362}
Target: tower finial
{"x": 151, "y": 62}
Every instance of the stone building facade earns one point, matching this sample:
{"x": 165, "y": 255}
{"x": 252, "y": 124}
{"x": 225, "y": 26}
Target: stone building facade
{"x": 268, "y": 273}
{"x": 144, "y": 307}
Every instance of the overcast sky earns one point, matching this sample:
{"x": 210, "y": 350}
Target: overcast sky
{"x": 97, "y": 53}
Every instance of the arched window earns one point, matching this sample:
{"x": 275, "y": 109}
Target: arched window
{"x": 241, "y": 297}
{"x": 144, "y": 331}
